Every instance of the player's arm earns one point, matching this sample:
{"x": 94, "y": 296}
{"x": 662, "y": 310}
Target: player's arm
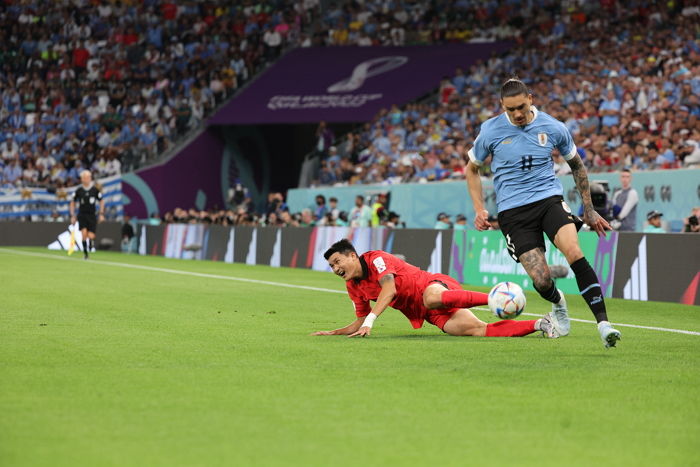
{"x": 590, "y": 216}
{"x": 476, "y": 157}
{"x": 71, "y": 211}
{"x": 349, "y": 329}
{"x": 101, "y": 215}
{"x": 384, "y": 299}
{"x": 475, "y": 191}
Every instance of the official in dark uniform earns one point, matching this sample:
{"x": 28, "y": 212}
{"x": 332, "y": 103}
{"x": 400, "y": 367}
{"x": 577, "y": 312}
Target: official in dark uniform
{"x": 87, "y": 197}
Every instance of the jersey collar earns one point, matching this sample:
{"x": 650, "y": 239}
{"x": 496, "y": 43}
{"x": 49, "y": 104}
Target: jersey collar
{"x": 365, "y": 269}
{"x": 92, "y": 184}
{"x": 535, "y": 113}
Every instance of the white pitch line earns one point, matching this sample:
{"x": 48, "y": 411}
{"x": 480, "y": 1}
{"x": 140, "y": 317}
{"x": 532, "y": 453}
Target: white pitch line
{"x": 293, "y": 286}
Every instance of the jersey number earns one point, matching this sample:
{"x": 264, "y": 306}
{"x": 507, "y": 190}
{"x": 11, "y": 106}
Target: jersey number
{"x": 526, "y": 163}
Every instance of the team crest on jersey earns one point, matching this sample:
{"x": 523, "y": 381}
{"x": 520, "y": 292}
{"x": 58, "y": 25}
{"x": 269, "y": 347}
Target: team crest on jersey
{"x": 542, "y": 138}
{"x": 379, "y": 264}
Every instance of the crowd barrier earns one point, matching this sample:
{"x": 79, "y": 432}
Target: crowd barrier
{"x": 15, "y": 233}
{"x": 661, "y": 267}
{"x": 658, "y": 267}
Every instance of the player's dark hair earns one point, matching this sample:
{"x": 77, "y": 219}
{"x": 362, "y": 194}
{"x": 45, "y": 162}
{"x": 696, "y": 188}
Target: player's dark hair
{"x": 626, "y": 170}
{"x": 514, "y": 87}
{"x": 342, "y": 246}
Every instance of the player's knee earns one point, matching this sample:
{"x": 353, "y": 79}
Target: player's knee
{"x": 432, "y": 300}
{"x": 465, "y": 326}
{"x": 573, "y": 255}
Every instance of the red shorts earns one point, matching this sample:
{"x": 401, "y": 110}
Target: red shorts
{"x": 439, "y": 316}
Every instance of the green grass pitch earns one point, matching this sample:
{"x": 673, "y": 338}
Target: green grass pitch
{"x": 103, "y": 365}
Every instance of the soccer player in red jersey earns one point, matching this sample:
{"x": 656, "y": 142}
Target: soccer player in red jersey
{"x": 421, "y": 296}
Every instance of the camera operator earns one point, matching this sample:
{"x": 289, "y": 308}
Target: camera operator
{"x": 690, "y": 223}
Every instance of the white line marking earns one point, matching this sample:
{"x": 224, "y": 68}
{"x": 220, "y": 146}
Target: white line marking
{"x": 293, "y": 286}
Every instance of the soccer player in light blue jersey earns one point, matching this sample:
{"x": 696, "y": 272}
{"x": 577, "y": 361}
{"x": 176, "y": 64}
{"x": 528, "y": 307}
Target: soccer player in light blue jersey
{"x": 530, "y": 202}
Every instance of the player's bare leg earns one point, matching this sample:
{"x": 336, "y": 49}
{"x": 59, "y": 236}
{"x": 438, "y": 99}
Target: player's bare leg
{"x": 464, "y": 323}
{"x": 535, "y": 265}
{"x": 566, "y": 241}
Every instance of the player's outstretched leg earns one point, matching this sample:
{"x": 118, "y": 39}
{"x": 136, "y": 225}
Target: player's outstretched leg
{"x": 464, "y": 323}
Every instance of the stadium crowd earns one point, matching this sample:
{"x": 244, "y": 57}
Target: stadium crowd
{"x": 624, "y": 80}
{"x": 107, "y": 85}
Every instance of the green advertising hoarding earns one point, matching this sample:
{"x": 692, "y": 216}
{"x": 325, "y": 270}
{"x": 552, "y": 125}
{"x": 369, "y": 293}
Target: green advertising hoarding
{"x": 481, "y": 258}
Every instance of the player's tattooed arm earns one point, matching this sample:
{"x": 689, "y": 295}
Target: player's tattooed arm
{"x": 578, "y": 170}
{"x": 590, "y": 216}
{"x": 386, "y": 279}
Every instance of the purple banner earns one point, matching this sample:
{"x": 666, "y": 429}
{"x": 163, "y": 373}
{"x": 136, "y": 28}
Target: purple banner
{"x": 195, "y": 177}
{"x": 347, "y": 84}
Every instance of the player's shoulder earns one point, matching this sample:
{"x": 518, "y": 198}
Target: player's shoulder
{"x": 379, "y": 259}
{"x": 545, "y": 119}
{"x": 494, "y": 122}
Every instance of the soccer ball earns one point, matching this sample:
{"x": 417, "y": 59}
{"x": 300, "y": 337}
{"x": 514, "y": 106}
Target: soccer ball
{"x": 507, "y": 300}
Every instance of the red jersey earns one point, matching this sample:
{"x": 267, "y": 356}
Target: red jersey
{"x": 410, "y": 282}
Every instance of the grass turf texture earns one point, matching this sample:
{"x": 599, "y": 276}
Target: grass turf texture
{"x": 102, "y": 365}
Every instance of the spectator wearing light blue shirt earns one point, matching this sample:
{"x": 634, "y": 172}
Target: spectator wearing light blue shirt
{"x": 610, "y": 109}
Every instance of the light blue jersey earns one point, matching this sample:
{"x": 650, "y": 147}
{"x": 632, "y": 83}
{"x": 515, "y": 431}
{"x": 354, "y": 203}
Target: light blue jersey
{"x": 522, "y": 157}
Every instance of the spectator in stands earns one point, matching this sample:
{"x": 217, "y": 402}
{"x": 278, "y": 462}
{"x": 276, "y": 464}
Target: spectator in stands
{"x": 443, "y": 221}
{"x": 654, "y": 223}
{"x": 460, "y": 222}
{"x": 333, "y": 207}
{"x": 320, "y": 209}
{"x": 307, "y": 219}
{"x": 361, "y": 214}
{"x": 624, "y": 203}
{"x": 379, "y": 210}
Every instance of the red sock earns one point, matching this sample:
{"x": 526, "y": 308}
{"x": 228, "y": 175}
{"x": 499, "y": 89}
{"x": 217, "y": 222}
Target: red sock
{"x": 463, "y": 298}
{"x": 508, "y": 328}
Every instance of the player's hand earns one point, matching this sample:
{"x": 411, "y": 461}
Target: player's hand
{"x": 596, "y": 222}
{"x": 481, "y": 221}
{"x": 323, "y": 333}
{"x": 101, "y": 218}
{"x": 362, "y": 332}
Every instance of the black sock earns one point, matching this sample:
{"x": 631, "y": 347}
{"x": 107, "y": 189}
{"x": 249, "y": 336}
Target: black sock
{"x": 89, "y": 244}
{"x": 551, "y": 294}
{"x": 85, "y": 247}
{"x": 590, "y": 288}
